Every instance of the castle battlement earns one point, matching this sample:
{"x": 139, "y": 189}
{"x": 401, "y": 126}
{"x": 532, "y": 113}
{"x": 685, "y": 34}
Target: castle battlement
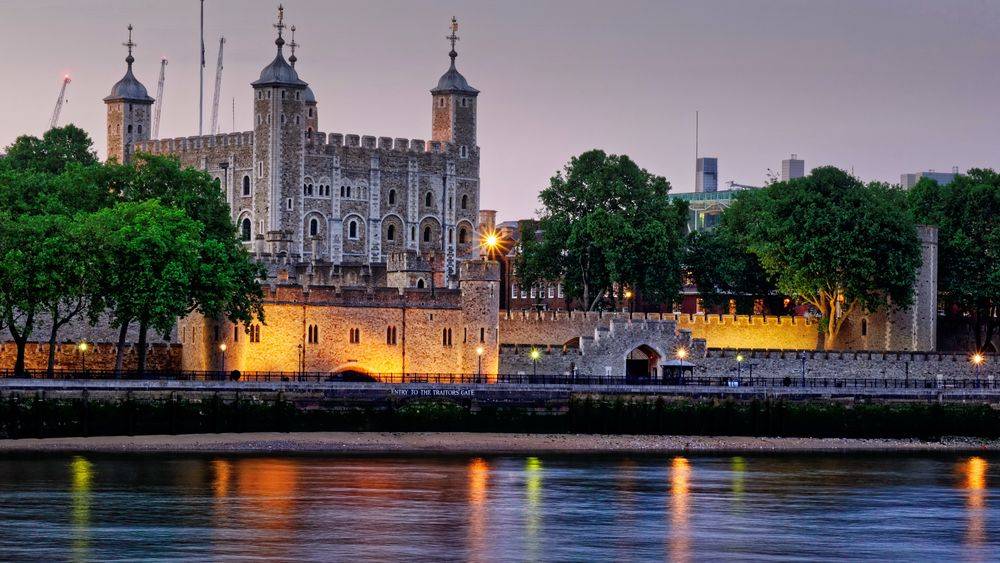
{"x": 333, "y": 296}
{"x": 679, "y": 318}
{"x": 370, "y": 142}
{"x": 195, "y": 143}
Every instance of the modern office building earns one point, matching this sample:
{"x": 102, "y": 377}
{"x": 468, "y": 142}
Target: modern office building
{"x": 706, "y": 174}
{"x": 942, "y": 178}
{"x": 792, "y": 168}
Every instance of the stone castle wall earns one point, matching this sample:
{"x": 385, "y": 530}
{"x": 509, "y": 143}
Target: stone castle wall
{"x": 719, "y": 331}
{"x": 100, "y": 356}
{"x": 841, "y": 364}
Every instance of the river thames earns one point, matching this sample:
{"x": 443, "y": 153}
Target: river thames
{"x": 502, "y": 508}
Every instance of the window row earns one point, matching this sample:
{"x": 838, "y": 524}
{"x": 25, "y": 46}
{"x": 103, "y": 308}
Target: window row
{"x": 318, "y": 190}
{"x": 551, "y": 290}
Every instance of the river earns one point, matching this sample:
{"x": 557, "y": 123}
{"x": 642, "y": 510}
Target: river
{"x": 502, "y": 508}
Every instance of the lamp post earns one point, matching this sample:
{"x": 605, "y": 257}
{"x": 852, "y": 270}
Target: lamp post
{"x": 535, "y": 354}
{"x": 739, "y": 366}
{"x": 222, "y": 352}
{"x": 803, "y": 356}
{"x": 681, "y": 354}
{"x": 479, "y": 352}
{"x": 301, "y": 361}
{"x": 82, "y": 347}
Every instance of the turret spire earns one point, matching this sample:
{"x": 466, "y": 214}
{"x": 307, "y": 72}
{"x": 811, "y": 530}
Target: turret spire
{"x": 453, "y": 38}
{"x": 280, "y": 26}
{"x": 129, "y": 59}
{"x": 293, "y": 45}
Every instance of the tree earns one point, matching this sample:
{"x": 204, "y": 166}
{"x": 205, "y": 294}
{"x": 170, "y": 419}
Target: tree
{"x": 967, "y": 214}
{"x": 837, "y": 243}
{"x": 723, "y": 269}
{"x": 53, "y": 153}
{"x": 225, "y": 283}
{"x": 606, "y": 225}
{"x": 149, "y": 254}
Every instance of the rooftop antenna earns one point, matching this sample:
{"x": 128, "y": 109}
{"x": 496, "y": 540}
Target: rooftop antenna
{"x": 696, "y": 134}
{"x": 201, "y": 71}
{"x": 234, "y": 115}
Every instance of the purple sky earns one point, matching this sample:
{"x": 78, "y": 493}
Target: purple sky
{"x": 880, "y": 86}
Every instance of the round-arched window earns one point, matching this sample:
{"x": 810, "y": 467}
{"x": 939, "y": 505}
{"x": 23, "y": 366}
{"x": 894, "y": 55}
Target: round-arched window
{"x": 390, "y": 233}
{"x": 313, "y": 227}
{"x": 463, "y": 235}
{"x": 352, "y": 229}
{"x": 465, "y": 202}
{"x": 392, "y": 197}
{"x": 427, "y": 234}
{"x": 420, "y": 283}
{"x": 245, "y": 229}
{"x": 427, "y": 199}
{"x": 246, "y": 185}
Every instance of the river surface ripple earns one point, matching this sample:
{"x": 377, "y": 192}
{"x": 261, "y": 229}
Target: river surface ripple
{"x": 500, "y": 508}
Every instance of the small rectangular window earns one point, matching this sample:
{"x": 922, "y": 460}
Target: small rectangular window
{"x": 288, "y": 204}
{"x": 513, "y": 291}
{"x": 552, "y": 291}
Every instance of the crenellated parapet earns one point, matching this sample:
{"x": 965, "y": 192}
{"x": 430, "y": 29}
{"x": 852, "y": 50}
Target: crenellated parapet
{"x": 196, "y": 143}
{"x": 321, "y": 142}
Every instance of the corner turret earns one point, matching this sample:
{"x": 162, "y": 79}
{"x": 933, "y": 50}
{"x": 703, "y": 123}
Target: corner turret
{"x": 129, "y": 112}
{"x": 453, "y": 115}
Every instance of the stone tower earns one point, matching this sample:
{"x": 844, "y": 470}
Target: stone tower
{"x": 480, "y": 285}
{"x": 453, "y": 115}
{"x": 129, "y": 112}
{"x": 279, "y": 142}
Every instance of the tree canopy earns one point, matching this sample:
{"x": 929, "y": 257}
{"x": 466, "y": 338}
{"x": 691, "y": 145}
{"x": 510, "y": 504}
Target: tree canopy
{"x": 606, "y": 226}
{"x": 967, "y": 214}
{"x": 839, "y": 244}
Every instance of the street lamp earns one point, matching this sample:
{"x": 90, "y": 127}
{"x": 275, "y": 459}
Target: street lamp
{"x": 739, "y": 365}
{"x": 490, "y": 242}
{"x": 682, "y": 353}
{"x": 222, "y": 350}
{"x": 977, "y": 360}
{"x": 535, "y": 354}
{"x": 83, "y": 346}
{"x": 479, "y": 352}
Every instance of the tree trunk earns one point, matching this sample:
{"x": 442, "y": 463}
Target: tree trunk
{"x": 21, "y": 340}
{"x": 141, "y": 360}
{"x": 120, "y": 355}
{"x": 51, "y": 367}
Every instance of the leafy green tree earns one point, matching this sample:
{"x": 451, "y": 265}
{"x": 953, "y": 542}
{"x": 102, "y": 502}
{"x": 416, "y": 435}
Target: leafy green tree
{"x": 53, "y": 153}
{"x": 837, "y": 243}
{"x": 606, "y": 225}
{"x": 967, "y": 214}
{"x": 723, "y": 269}
{"x": 149, "y": 254}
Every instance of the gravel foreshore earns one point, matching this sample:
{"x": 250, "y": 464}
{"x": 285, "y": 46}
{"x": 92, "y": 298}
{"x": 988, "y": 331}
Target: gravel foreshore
{"x": 430, "y": 443}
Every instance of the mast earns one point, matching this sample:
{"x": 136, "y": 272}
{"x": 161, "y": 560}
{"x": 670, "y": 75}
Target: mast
{"x": 59, "y": 103}
{"x": 159, "y": 98}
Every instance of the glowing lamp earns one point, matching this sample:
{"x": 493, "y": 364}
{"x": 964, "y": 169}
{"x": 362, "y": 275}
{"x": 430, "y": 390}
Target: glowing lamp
{"x": 739, "y": 358}
{"x": 83, "y": 346}
{"x": 978, "y": 359}
{"x": 480, "y": 350}
{"x": 222, "y": 347}
{"x": 535, "y": 354}
{"x": 681, "y": 353}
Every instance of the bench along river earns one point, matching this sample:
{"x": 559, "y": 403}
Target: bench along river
{"x": 511, "y": 508}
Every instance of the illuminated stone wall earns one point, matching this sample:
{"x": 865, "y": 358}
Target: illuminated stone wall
{"x": 99, "y": 356}
{"x": 719, "y": 331}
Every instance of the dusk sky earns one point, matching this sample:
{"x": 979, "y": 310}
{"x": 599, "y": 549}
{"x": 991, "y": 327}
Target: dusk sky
{"x": 882, "y": 87}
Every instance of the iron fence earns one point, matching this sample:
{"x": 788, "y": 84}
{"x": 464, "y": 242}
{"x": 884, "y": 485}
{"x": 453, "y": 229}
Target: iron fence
{"x": 745, "y": 381}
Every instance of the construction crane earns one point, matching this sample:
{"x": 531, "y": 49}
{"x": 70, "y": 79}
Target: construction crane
{"x": 159, "y": 98}
{"x": 218, "y": 88}
{"x": 59, "y": 103}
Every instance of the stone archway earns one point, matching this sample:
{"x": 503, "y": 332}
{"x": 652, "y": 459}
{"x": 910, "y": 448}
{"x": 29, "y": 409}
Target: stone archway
{"x": 642, "y": 362}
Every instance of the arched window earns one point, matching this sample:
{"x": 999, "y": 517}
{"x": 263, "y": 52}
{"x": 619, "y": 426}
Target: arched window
{"x": 129, "y": 128}
{"x": 427, "y": 234}
{"x": 246, "y": 185}
{"x": 427, "y": 199}
{"x": 309, "y": 131}
{"x": 420, "y": 283}
{"x": 392, "y": 197}
{"x": 390, "y": 233}
{"x": 313, "y": 227}
{"x": 465, "y": 202}
{"x": 352, "y": 229}
{"x": 245, "y": 229}
{"x": 341, "y": 191}
{"x": 348, "y": 191}
{"x": 451, "y": 234}
{"x": 463, "y": 235}
{"x": 864, "y": 327}
{"x": 140, "y": 129}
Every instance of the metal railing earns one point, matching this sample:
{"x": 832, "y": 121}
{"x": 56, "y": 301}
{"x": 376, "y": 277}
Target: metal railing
{"x": 985, "y": 381}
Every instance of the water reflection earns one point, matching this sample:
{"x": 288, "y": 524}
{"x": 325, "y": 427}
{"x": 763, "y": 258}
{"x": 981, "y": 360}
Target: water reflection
{"x": 680, "y": 539}
{"x": 974, "y": 471}
{"x": 533, "y": 496}
{"x": 82, "y": 476}
{"x": 738, "y": 466}
{"x": 479, "y": 473}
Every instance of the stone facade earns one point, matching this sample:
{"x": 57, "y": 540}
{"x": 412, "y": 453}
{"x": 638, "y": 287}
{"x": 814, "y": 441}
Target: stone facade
{"x": 336, "y": 205}
{"x": 377, "y": 331}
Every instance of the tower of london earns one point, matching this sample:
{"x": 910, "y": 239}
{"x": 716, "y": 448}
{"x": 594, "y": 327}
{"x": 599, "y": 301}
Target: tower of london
{"x": 331, "y": 208}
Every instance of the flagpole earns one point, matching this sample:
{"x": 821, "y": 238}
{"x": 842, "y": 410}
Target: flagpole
{"x": 201, "y": 73}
